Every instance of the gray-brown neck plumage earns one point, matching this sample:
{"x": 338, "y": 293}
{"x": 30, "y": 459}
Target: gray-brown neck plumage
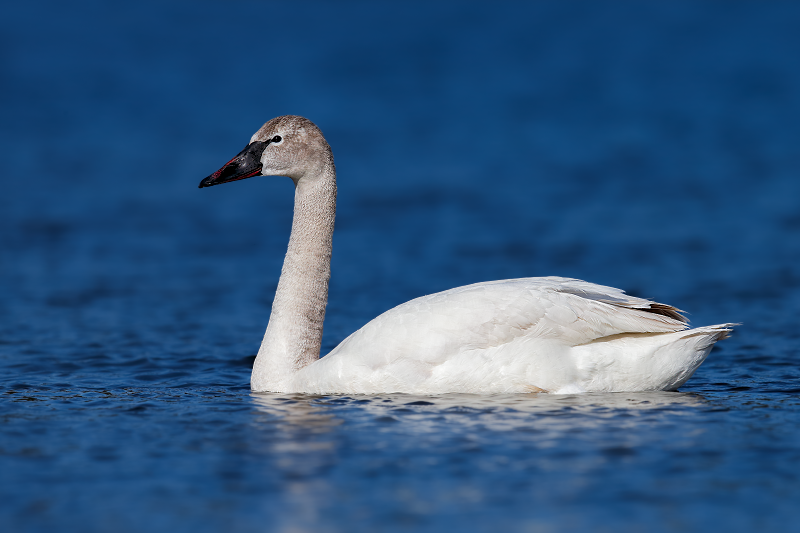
{"x": 294, "y": 333}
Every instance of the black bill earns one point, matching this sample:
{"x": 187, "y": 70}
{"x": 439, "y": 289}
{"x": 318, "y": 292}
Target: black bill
{"x": 245, "y": 165}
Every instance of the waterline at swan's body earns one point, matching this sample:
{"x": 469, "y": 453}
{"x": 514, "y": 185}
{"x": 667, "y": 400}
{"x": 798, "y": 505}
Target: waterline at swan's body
{"x": 514, "y": 336}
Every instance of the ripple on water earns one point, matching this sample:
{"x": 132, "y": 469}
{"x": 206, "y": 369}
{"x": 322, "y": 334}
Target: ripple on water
{"x": 640, "y": 145}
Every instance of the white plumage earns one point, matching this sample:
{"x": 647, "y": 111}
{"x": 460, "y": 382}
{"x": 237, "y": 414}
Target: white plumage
{"x": 514, "y": 336}
{"x": 527, "y": 335}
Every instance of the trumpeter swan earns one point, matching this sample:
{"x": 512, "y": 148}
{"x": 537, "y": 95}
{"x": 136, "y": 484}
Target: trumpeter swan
{"x": 522, "y": 335}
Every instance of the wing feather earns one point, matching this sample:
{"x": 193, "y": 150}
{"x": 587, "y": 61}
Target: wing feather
{"x": 501, "y": 336}
{"x": 490, "y": 314}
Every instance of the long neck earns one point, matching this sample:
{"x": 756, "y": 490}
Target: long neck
{"x": 294, "y": 332}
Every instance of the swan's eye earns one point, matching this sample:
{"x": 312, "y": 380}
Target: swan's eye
{"x": 276, "y": 139}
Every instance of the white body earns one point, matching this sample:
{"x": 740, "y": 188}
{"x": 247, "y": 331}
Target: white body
{"x": 515, "y": 336}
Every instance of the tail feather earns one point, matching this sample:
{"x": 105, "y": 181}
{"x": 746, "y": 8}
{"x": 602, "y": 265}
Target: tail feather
{"x": 713, "y": 333}
{"x": 642, "y": 362}
{"x": 697, "y": 351}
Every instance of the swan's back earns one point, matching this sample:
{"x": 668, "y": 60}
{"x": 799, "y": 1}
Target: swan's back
{"x": 523, "y": 335}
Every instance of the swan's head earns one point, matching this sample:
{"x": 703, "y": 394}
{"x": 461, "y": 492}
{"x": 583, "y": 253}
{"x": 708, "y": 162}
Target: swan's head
{"x": 285, "y": 146}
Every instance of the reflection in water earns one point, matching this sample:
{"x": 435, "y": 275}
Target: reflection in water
{"x": 303, "y": 447}
{"x": 295, "y": 410}
{"x": 325, "y": 448}
{"x": 302, "y": 406}
{"x": 301, "y": 421}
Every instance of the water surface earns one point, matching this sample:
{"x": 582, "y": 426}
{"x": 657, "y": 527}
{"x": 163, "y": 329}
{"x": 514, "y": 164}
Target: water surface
{"x": 648, "y": 147}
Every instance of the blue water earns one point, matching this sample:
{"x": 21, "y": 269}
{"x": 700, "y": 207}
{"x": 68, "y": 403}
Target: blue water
{"x": 648, "y": 146}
